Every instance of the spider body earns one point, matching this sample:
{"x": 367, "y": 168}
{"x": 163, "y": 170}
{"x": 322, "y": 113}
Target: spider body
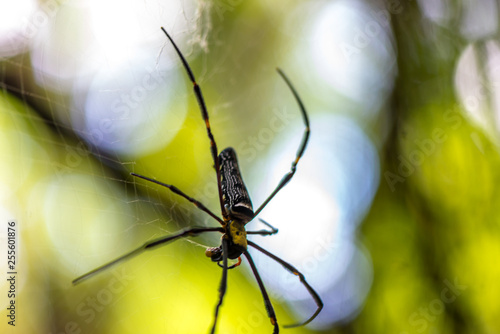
{"x": 236, "y": 210}
{"x": 237, "y": 244}
{"x": 234, "y": 193}
{"x": 238, "y": 206}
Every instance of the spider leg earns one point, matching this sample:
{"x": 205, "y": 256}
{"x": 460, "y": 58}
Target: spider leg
{"x": 147, "y": 246}
{"x": 177, "y": 191}
{"x": 223, "y": 282}
{"x": 267, "y": 301}
{"x": 305, "y": 138}
{"x": 274, "y": 230}
{"x": 237, "y": 264}
{"x": 294, "y": 271}
{"x": 204, "y": 114}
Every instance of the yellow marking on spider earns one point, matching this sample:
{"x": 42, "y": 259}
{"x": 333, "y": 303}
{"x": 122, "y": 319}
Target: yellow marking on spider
{"x": 238, "y": 233}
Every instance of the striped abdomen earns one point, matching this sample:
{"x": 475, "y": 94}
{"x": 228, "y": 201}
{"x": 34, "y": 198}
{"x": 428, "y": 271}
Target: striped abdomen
{"x": 234, "y": 192}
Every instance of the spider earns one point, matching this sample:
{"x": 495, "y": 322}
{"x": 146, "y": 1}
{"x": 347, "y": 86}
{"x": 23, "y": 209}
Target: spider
{"x": 237, "y": 211}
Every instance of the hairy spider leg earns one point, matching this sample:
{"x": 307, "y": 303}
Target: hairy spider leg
{"x": 148, "y": 246}
{"x": 223, "y": 282}
{"x": 273, "y": 230}
{"x": 305, "y": 138}
{"x": 204, "y": 114}
{"x": 293, "y": 270}
{"x": 177, "y": 191}
{"x": 267, "y": 300}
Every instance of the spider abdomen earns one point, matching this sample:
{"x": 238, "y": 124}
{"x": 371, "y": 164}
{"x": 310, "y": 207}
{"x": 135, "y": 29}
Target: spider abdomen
{"x": 235, "y": 194}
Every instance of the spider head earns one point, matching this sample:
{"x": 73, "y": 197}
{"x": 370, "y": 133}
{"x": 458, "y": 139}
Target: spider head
{"x": 238, "y": 235}
{"x": 237, "y": 242}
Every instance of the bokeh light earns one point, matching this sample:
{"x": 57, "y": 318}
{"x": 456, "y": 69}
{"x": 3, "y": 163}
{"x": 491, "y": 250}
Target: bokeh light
{"x": 17, "y": 22}
{"x": 352, "y": 52}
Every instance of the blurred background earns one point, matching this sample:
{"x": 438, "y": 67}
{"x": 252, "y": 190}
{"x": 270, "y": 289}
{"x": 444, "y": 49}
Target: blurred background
{"x": 391, "y": 216}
